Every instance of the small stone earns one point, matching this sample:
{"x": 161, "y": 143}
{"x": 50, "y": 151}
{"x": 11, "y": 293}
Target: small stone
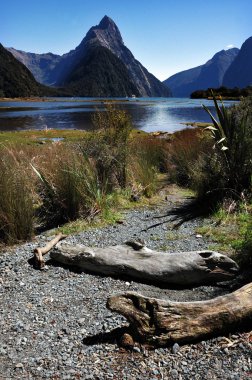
{"x": 127, "y": 341}
{"x": 174, "y": 373}
{"x": 136, "y": 349}
{"x": 82, "y": 321}
{"x": 198, "y": 236}
{"x": 19, "y": 365}
{"x": 175, "y": 348}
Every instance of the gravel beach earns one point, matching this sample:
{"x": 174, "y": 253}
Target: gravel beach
{"x": 54, "y": 323}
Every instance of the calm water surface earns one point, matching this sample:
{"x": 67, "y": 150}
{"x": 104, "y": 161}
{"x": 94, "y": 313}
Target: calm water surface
{"x": 148, "y": 114}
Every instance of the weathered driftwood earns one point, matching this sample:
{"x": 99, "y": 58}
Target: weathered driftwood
{"x": 159, "y": 322}
{"x": 134, "y": 260}
{"x": 41, "y": 251}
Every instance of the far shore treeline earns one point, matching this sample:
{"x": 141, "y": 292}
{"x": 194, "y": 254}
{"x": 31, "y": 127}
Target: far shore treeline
{"x": 224, "y": 92}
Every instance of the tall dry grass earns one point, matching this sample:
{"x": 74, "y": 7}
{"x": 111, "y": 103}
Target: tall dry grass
{"x": 186, "y": 149}
{"x": 45, "y": 186}
{"x": 16, "y": 196}
{"x": 147, "y": 159}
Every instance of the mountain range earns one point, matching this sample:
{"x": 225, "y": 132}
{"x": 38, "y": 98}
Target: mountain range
{"x": 15, "y": 79}
{"x": 101, "y": 65}
{"x": 230, "y": 68}
{"x": 239, "y": 73}
{"x": 202, "y": 77}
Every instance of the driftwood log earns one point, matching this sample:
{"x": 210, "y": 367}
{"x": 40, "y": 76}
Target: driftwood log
{"x": 39, "y": 252}
{"x": 160, "y": 323}
{"x": 135, "y": 261}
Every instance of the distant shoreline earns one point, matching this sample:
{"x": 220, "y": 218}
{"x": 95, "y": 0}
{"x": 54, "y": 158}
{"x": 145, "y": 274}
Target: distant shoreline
{"x": 63, "y": 99}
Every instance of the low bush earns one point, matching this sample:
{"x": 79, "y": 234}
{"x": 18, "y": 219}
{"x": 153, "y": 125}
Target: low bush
{"x": 147, "y": 159}
{"x": 47, "y": 185}
{"x": 16, "y": 201}
{"x": 108, "y": 146}
{"x": 228, "y": 168}
{"x": 244, "y": 256}
{"x": 186, "y": 149}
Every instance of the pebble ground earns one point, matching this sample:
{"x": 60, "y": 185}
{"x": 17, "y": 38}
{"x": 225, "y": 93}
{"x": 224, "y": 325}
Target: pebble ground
{"x": 54, "y": 323}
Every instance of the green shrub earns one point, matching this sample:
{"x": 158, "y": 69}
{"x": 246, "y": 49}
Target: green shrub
{"x": 231, "y": 158}
{"x": 245, "y": 253}
{"x": 147, "y": 158}
{"x": 108, "y": 146}
{"x": 58, "y": 189}
{"x": 16, "y": 201}
{"x": 186, "y": 148}
{"x": 68, "y": 186}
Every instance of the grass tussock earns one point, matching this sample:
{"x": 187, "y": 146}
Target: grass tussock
{"x": 186, "y": 148}
{"x": 216, "y": 162}
{"x": 91, "y": 176}
{"x": 47, "y": 185}
{"x": 16, "y": 201}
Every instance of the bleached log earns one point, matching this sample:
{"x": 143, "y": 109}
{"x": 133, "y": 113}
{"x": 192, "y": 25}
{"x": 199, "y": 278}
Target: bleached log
{"x": 39, "y": 252}
{"x": 160, "y": 323}
{"x": 135, "y": 261}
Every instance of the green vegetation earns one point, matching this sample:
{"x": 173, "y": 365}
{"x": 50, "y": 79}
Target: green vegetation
{"x": 84, "y": 177}
{"x": 89, "y": 177}
{"x": 216, "y": 162}
{"x": 224, "y": 92}
{"x": 231, "y": 232}
{"x": 16, "y": 202}
{"x": 230, "y": 163}
{"x": 186, "y": 148}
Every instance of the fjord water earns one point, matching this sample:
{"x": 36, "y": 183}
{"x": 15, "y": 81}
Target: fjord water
{"x": 148, "y": 114}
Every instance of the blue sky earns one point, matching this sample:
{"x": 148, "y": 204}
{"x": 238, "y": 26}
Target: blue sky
{"x": 166, "y": 36}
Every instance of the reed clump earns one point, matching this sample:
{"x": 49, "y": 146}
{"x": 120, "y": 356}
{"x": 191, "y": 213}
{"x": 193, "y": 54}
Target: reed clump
{"x": 46, "y": 185}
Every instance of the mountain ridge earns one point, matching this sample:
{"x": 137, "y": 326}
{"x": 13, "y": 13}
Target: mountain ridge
{"x": 15, "y": 79}
{"x": 210, "y": 74}
{"x": 239, "y": 73}
{"x": 106, "y": 35}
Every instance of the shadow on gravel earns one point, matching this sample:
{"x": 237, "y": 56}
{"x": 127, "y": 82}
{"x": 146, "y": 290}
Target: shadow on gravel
{"x": 111, "y": 337}
{"x": 191, "y": 209}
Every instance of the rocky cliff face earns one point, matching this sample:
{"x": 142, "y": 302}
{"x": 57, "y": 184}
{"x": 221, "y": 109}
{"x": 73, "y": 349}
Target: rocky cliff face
{"x": 100, "y": 73}
{"x": 202, "y": 77}
{"x": 60, "y": 71}
{"x": 41, "y": 65}
{"x": 15, "y": 79}
{"x": 239, "y": 73}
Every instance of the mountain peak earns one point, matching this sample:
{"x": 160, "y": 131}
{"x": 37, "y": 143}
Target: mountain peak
{"x": 105, "y": 34}
{"x": 106, "y": 22}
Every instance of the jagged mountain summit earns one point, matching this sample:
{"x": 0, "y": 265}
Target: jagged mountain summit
{"x": 202, "y": 77}
{"x": 101, "y": 65}
{"x": 239, "y": 73}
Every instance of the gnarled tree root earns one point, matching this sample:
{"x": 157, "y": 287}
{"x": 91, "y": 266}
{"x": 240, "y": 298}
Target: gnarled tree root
{"x": 160, "y": 322}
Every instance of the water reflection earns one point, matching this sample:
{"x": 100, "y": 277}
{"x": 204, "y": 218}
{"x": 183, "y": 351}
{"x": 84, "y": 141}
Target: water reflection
{"x": 153, "y": 114}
